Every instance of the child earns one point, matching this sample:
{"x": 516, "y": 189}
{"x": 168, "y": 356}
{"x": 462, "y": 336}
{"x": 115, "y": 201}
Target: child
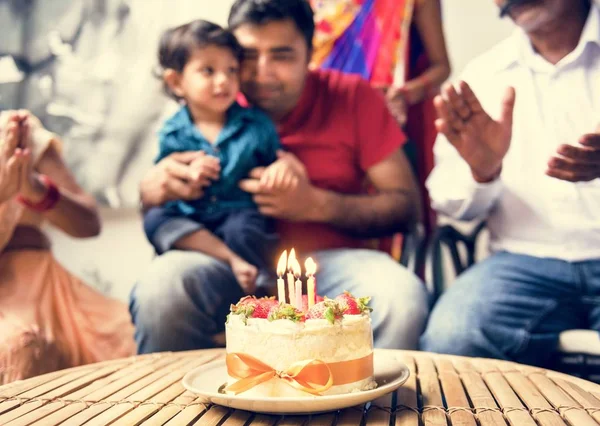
{"x": 200, "y": 63}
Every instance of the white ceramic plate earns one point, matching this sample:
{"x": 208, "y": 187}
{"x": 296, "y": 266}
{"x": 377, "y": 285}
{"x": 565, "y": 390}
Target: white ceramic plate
{"x": 390, "y": 374}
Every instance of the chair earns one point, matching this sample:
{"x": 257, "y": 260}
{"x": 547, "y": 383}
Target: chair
{"x": 578, "y": 352}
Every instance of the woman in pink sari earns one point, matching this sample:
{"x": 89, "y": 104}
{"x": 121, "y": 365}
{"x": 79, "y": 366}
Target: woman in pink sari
{"x": 49, "y": 319}
{"x": 373, "y": 38}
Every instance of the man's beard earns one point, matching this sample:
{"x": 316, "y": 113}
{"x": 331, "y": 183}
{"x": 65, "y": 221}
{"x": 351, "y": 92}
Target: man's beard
{"x": 509, "y": 4}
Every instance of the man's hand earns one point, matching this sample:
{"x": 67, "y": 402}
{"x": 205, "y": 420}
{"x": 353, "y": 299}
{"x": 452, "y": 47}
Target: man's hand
{"x": 282, "y": 175}
{"x": 173, "y": 178}
{"x": 395, "y": 97}
{"x": 577, "y": 164}
{"x": 480, "y": 140}
{"x": 292, "y": 203}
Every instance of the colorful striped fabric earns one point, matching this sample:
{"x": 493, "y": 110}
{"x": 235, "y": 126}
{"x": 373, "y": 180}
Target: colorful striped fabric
{"x": 366, "y": 37}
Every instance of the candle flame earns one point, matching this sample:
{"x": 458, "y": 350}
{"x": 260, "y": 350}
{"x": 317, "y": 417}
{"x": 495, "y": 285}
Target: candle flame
{"x": 296, "y": 268}
{"x": 311, "y": 267}
{"x": 281, "y": 264}
{"x": 290, "y": 260}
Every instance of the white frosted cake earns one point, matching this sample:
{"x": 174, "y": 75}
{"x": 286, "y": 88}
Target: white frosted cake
{"x": 275, "y": 349}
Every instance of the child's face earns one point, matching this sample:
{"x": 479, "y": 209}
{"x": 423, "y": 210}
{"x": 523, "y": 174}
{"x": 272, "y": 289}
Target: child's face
{"x": 210, "y": 79}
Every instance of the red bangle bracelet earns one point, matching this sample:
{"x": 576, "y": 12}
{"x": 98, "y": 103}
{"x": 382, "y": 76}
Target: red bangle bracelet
{"x": 48, "y": 202}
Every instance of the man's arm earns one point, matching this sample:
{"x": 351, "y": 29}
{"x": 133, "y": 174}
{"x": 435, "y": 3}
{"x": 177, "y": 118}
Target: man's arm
{"x": 466, "y": 181}
{"x": 395, "y": 207}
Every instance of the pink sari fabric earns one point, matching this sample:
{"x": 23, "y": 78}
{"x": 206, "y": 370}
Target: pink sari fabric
{"x": 51, "y": 320}
{"x": 365, "y": 37}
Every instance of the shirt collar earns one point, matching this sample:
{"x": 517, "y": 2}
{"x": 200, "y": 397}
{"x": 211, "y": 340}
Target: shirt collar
{"x": 183, "y": 119}
{"x": 520, "y": 50}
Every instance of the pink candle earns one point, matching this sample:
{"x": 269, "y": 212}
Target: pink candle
{"x": 297, "y": 273}
{"x": 299, "y": 294}
{"x": 290, "y": 277}
{"x": 311, "y": 286}
{"x": 291, "y": 288}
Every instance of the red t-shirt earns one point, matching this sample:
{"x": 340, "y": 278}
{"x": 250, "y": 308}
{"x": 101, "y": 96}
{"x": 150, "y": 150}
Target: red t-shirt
{"x": 340, "y": 128}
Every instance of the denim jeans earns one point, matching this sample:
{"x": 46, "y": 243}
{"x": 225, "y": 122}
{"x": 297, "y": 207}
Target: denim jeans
{"x": 514, "y": 307}
{"x": 182, "y": 300}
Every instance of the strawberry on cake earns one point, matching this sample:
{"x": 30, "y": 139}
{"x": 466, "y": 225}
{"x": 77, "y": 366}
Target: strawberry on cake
{"x": 277, "y": 349}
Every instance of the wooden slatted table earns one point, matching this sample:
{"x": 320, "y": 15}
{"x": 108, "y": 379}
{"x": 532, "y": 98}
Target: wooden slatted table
{"x": 442, "y": 390}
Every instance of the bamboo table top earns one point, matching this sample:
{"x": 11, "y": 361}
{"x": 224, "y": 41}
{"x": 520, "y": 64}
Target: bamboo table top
{"x": 442, "y": 390}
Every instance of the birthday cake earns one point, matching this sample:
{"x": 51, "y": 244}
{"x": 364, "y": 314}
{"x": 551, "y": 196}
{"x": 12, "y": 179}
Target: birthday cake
{"x": 304, "y": 346}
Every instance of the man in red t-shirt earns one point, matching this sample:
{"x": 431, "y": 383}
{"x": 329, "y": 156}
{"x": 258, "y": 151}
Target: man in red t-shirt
{"x": 340, "y": 136}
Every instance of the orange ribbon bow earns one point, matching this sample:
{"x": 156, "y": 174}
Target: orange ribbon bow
{"x": 313, "y": 376}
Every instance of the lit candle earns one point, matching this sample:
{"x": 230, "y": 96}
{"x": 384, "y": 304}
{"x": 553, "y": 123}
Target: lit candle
{"x": 297, "y": 273}
{"x": 311, "y": 289}
{"x": 280, "y": 271}
{"x": 290, "y": 277}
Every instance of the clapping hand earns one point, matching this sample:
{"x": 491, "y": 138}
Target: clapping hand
{"x": 480, "y": 140}
{"x": 577, "y": 163}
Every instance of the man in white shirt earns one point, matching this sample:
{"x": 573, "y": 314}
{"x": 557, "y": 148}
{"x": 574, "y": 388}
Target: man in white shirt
{"x": 530, "y": 168}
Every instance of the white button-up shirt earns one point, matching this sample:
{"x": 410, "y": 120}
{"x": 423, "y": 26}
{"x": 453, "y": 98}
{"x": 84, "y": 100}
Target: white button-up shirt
{"x": 527, "y": 211}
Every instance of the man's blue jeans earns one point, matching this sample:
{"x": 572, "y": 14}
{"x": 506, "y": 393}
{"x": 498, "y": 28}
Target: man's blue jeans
{"x": 182, "y": 300}
{"x": 514, "y": 307}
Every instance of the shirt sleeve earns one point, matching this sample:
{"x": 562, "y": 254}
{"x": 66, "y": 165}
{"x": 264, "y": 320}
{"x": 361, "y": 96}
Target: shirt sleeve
{"x": 379, "y": 135}
{"x": 452, "y": 189}
{"x": 166, "y": 146}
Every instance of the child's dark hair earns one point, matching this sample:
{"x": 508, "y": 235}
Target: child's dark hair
{"x": 177, "y": 44}
{"x": 260, "y": 12}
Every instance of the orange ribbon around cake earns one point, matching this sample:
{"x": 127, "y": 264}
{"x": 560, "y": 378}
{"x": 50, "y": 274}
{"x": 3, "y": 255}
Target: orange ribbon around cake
{"x": 313, "y": 376}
